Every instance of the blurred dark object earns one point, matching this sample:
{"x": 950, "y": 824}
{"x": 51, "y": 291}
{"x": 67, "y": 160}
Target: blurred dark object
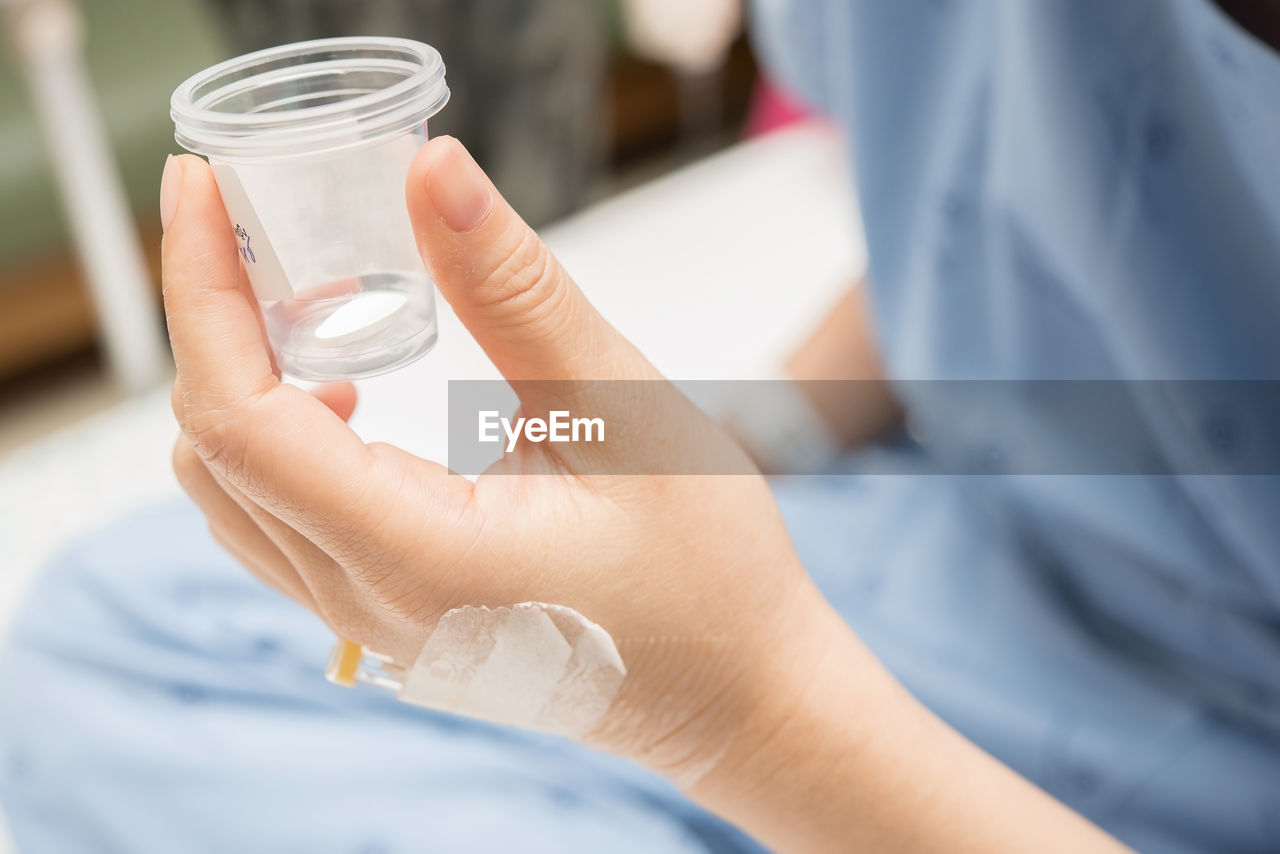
{"x": 1260, "y": 17}
{"x": 526, "y": 76}
{"x": 649, "y": 112}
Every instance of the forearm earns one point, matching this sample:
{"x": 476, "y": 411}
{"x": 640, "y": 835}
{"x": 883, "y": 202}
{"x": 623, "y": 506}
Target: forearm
{"x": 840, "y": 371}
{"x": 840, "y": 758}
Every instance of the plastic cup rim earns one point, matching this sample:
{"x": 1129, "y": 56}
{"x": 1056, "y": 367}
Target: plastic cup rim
{"x": 366, "y": 118}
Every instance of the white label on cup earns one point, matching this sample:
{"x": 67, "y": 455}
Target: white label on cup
{"x": 266, "y": 273}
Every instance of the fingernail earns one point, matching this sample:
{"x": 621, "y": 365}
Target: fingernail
{"x": 170, "y": 184}
{"x": 459, "y": 190}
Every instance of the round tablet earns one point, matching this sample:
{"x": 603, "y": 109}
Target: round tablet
{"x": 360, "y": 317}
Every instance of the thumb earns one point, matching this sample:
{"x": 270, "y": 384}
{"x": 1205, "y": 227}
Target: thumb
{"x": 549, "y": 342}
{"x": 502, "y": 281}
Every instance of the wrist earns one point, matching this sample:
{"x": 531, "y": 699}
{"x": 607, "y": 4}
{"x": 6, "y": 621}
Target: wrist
{"x": 695, "y": 705}
{"x": 782, "y": 427}
{"x": 728, "y": 713}
{"x": 811, "y": 700}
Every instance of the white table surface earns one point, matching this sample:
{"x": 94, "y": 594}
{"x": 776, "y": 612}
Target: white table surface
{"x": 715, "y": 271}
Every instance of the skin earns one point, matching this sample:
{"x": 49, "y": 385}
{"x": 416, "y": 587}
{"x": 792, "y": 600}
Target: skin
{"x": 841, "y": 373}
{"x": 743, "y": 685}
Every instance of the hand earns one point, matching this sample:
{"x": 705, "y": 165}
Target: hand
{"x": 739, "y": 676}
{"x": 694, "y": 576}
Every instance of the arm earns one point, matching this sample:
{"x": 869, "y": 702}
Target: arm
{"x": 841, "y": 373}
{"x": 741, "y": 683}
{"x": 832, "y": 396}
{"x": 844, "y": 745}
{"x": 844, "y": 759}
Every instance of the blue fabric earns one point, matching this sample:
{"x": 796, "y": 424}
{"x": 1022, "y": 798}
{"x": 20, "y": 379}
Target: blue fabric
{"x": 937, "y": 576}
{"x": 1082, "y": 190}
{"x": 155, "y": 698}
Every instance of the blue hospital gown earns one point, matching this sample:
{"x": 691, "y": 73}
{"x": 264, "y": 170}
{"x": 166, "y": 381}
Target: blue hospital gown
{"x": 1052, "y": 189}
{"x": 1079, "y": 190}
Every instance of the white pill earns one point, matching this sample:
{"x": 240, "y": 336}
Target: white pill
{"x": 362, "y": 316}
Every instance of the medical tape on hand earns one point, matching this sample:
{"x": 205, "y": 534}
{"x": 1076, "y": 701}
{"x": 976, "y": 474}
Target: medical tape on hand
{"x": 532, "y": 665}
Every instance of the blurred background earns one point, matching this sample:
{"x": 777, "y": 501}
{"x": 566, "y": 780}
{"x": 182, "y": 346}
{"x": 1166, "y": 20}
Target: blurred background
{"x": 564, "y": 102}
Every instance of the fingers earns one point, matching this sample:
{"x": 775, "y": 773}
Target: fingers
{"x": 280, "y": 446}
{"x": 233, "y": 528}
{"x": 288, "y": 488}
{"x": 212, "y": 323}
{"x": 281, "y": 557}
{"x": 504, "y": 284}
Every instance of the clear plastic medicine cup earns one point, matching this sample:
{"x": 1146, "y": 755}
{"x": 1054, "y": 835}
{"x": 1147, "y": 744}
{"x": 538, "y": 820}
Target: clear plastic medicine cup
{"x": 310, "y": 144}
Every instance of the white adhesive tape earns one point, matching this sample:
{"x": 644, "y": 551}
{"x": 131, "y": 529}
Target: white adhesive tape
{"x": 532, "y": 665}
